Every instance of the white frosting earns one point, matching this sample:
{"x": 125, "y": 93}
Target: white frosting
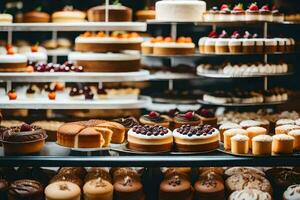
{"x": 235, "y": 42}
{"x": 239, "y": 137}
{"x": 294, "y": 133}
{"x": 250, "y": 194}
{"x": 297, "y": 122}
{"x": 222, "y": 42}
{"x": 285, "y": 121}
{"x": 147, "y": 44}
{"x": 282, "y": 137}
{"x": 134, "y": 134}
{"x": 236, "y": 131}
{"x": 210, "y": 41}
{"x": 262, "y": 138}
{"x": 178, "y": 135}
{"x": 257, "y": 129}
{"x": 102, "y": 56}
{"x": 248, "y": 42}
{"x": 15, "y": 58}
{"x": 174, "y": 45}
{"x": 259, "y": 41}
{"x": 108, "y": 40}
{"x": 249, "y": 123}
{"x": 270, "y": 42}
{"x": 229, "y": 125}
{"x": 292, "y": 193}
{"x": 280, "y": 41}
{"x": 184, "y": 10}
{"x": 202, "y": 41}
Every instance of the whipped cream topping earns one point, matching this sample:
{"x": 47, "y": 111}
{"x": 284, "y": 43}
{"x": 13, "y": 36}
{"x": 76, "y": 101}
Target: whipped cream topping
{"x": 108, "y": 40}
{"x": 262, "y": 138}
{"x": 15, "y": 58}
{"x": 73, "y": 56}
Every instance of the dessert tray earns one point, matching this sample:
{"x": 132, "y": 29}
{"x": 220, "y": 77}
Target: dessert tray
{"x": 201, "y": 101}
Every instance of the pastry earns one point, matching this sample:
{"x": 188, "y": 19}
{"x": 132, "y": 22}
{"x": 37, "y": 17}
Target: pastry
{"x": 237, "y": 13}
{"x": 6, "y": 18}
{"x": 180, "y": 11}
{"x": 296, "y": 135}
{"x": 262, "y": 145}
{"x": 116, "y": 13}
{"x": 189, "y": 118}
{"x": 239, "y": 144}
{"x": 250, "y": 194}
{"x": 154, "y": 118}
{"x": 252, "y": 13}
{"x": 221, "y": 45}
{"x": 211, "y": 15}
{"x": 12, "y": 62}
{"x": 68, "y": 14}
{"x": 228, "y": 134}
{"x": 282, "y": 144}
{"x": 50, "y": 127}
{"x": 24, "y": 139}
{"x": 127, "y": 185}
{"x": 284, "y": 129}
{"x": 248, "y": 181}
{"x": 147, "y": 138}
{"x": 292, "y": 193}
{"x": 98, "y": 189}
{"x": 196, "y": 138}
{"x": 26, "y": 189}
{"x": 106, "y": 62}
{"x": 243, "y": 170}
{"x": 98, "y": 172}
{"x": 67, "y": 177}
{"x": 207, "y": 116}
{"x": 182, "y": 46}
{"x": 100, "y": 42}
{"x": 62, "y": 190}
{"x": 146, "y": 14}
{"x": 175, "y": 186}
{"x": 36, "y": 16}
{"x": 235, "y": 44}
{"x": 226, "y": 126}
{"x": 225, "y": 13}
{"x": 118, "y": 130}
{"x": 210, "y": 186}
{"x": 255, "y": 131}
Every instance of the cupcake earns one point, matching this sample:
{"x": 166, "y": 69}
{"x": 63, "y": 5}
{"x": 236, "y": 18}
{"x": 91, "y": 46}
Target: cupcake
{"x": 221, "y": 45}
{"x": 262, "y": 145}
{"x": 282, "y": 144}
{"x": 239, "y": 144}
{"x": 228, "y": 134}
{"x": 249, "y": 123}
{"x": 284, "y": 129}
{"x": 226, "y": 126}
{"x": 238, "y": 13}
{"x": 154, "y": 118}
{"x": 235, "y": 43}
{"x": 265, "y": 14}
{"x": 201, "y": 44}
{"x": 285, "y": 121}
{"x": 210, "y": 42}
{"x": 98, "y": 189}
{"x": 296, "y": 135}
{"x": 189, "y": 118}
{"x": 259, "y": 45}
{"x": 255, "y": 131}
{"x": 252, "y": 13}
{"x": 248, "y": 43}
{"x": 62, "y": 190}
{"x": 207, "y": 116}
{"x": 211, "y": 15}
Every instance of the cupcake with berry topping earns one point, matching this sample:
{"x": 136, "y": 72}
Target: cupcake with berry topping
{"x": 207, "y": 116}
{"x": 248, "y": 43}
{"x": 210, "y": 42}
{"x": 196, "y": 138}
{"x": 154, "y": 118}
{"x": 265, "y": 14}
{"x": 189, "y": 118}
{"x": 252, "y": 13}
{"x": 238, "y": 13}
{"x": 224, "y": 14}
{"x": 235, "y": 44}
{"x": 147, "y": 138}
{"x": 222, "y": 43}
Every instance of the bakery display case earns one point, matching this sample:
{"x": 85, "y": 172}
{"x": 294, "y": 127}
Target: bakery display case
{"x": 149, "y": 100}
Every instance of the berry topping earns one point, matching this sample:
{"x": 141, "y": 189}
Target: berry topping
{"x": 253, "y": 7}
{"x": 204, "y": 112}
{"x": 247, "y": 35}
{"x": 189, "y": 115}
{"x": 213, "y": 34}
{"x": 12, "y": 95}
{"x": 223, "y": 34}
{"x": 153, "y": 114}
{"x": 265, "y": 8}
{"x": 224, "y": 7}
{"x": 25, "y": 127}
{"x": 235, "y": 35}
{"x": 196, "y": 130}
{"x": 52, "y": 95}
{"x": 150, "y": 130}
{"x": 238, "y": 8}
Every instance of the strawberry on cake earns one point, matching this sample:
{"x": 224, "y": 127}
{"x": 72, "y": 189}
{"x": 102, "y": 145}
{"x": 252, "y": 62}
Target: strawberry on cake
{"x": 252, "y": 13}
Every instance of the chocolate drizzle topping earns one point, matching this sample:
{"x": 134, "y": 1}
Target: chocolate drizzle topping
{"x": 127, "y": 122}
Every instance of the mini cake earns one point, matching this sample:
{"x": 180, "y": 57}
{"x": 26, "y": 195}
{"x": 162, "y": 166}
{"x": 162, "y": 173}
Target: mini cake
{"x": 5, "y": 18}
{"x": 262, "y": 145}
{"x": 285, "y": 121}
{"x": 235, "y": 44}
{"x": 252, "y": 13}
{"x": 175, "y": 186}
{"x": 226, "y": 126}
{"x": 243, "y": 170}
{"x": 238, "y": 13}
{"x": 221, "y": 45}
{"x": 207, "y": 116}
{"x": 150, "y": 138}
{"x": 98, "y": 189}
{"x": 182, "y": 46}
{"x": 248, "y": 181}
{"x": 68, "y": 14}
{"x": 254, "y": 131}
{"x": 36, "y": 16}
{"x": 265, "y": 14}
{"x": 292, "y": 193}
{"x": 201, "y": 44}
{"x": 228, "y": 134}
{"x": 250, "y": 194}
{"x": 116, "y": 13}
{"x": 101, "y": 43}
{"x": 210, "y": 186}
{"x": 282, "y": 144}
{"x": 239, "y": 144}
{"x": 248, "y": 43}
{"x": 145, "y": 14}
{"x": 284, "y": 129}
{"x": 26, "y": 189}
{"x": 106, "y": 62}
{"x": 189, "y": 118}
{"x": 62, "y": 190}
{"x": 154, "y": 118}
{"x": 296, "y": 135}
{"x": 180, "y": 11}
{"x": 270, "y": 45}
{"x": 211, "y": 15}
{"x": 11, "y": 62}
{"x": 249, "y": 123}
{"x": 225, "y": 13}
{"x": 196, "y": 138}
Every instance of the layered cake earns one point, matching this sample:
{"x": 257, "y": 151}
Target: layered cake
{"x": 36, "y": 16}
{"x": 147, "y": 138}
{"x": 180, "y": 11}
{"x": 62, "y": 190}
{"x": 68, "y": 14}
{"x": 106, "y": 62}
{"x": 154, "y": 118}
{"x": 100, "y": 42}
{"x": 196, "y": 138}
{"x": 116, "y": 13}
{"x": 6, "y": 18}
{"x": 12, "y": 62}
{"x": 189, "y": 118}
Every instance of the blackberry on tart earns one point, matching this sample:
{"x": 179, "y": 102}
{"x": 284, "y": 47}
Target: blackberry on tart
{"x": 154, "y": 118}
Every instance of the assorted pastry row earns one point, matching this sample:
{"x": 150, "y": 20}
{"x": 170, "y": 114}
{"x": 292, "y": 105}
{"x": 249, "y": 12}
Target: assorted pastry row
{"x": 243, "y": 43}
{"x": 244, "y": 69}
{"x": 246, "y": 97}
{"x": 237, "y": 13}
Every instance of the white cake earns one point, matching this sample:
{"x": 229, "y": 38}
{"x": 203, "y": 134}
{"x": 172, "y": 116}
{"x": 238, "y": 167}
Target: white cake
{"x": 180, "y": 10}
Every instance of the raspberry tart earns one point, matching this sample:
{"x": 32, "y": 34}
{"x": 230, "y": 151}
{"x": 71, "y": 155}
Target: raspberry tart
{"x": 154, "y": 118}
{"x": 147, "y": 138}
{"x": 196, "y": 138}
{"x": 238, "y": 13}
{"x": 207, "y": 116}
{"x": 252, "y": 13}
{"x": 189, "y": 118}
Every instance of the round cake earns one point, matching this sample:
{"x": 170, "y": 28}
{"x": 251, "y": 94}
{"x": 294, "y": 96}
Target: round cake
{"x": 68, "y": 14}
{"x": 5, "y": 18}
{"x": 36, "y": 17}
{"x": 116, "y": 13}
{"x": 180, "y": 11}
{"x": 62, "y": 190}
{"x": 196, "y": 138}
{"x": 150, "y": 138}
{"x": 100, "y": 42}
{"x": 13, "y": 63}
{"x": 26, "y": 189}
{"x": 250, "y": 194}
{"x": 106, "y": 62}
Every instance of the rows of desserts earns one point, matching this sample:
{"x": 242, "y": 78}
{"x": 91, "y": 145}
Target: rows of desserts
{"x": 212, "y": 183}
{"x": 237, "y": 13}
{"x": 247, "y": 97}
{"x": 246, "y": 43}
{"x": 247, "y": 69}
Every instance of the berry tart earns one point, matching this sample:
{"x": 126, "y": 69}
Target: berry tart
{"x": 24, "y": 139}
{"x": 224, "y": 14}
{"x": 154, "y": 118}
{"x": 196, "y": 138}
{"x": 211, "y": 15}
{"x": 189, "y": 118}
{"x": 252, "y": 13}
{"x": 238, "y": 13}
{"x": 147, "y": 138}
{"x": 265, "y": 14}
{"x": 207, "y": 116}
